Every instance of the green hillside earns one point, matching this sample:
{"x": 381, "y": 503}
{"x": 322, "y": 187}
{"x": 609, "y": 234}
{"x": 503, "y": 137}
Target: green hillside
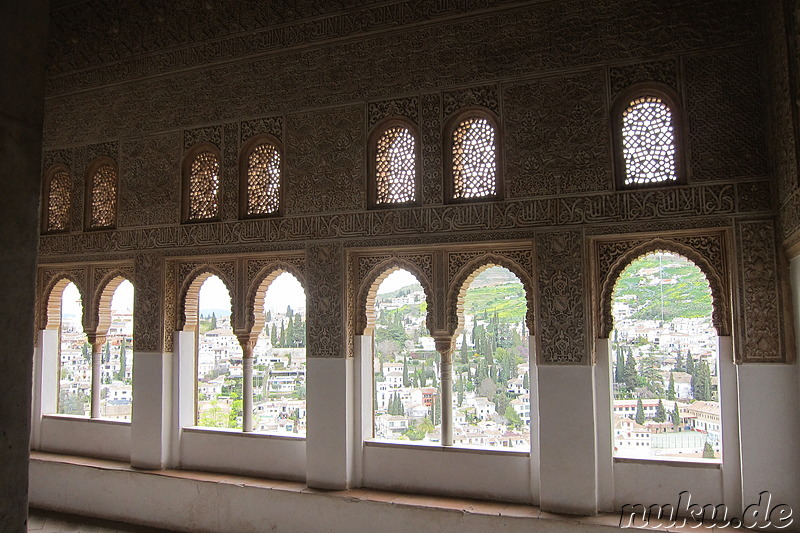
{"x": 640, "y": 286}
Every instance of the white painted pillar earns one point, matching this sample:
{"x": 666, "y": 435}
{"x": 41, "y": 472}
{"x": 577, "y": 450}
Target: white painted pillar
{"x": 444, "y": 347}
{"x": 363, "y": 401}
{"x": 605, "y": 440}
{"x": 184, "y": 377}
{"x": 729, "y": 416}
{"x": 247, "y": 391}
{"x": 152, "y": 409}
{"x": 329, "y": 437}
{"x": 97, "y": 361}
{"x": 45, "y": 381}
{"x": 533, "y": 380}
{"x": 568, "y": 463}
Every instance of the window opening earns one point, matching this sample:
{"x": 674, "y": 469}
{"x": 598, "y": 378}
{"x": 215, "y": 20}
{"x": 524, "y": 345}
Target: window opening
{"x": 58, "y": 202}
{"x": 219, "y": 359}
{"x": 263, "y": 180}
{"x": 474, "y": 159}
{"x": 204, "y": 187}
{"x": 116, "y": 393}
{"x": 407, "y": 382}
{"x": 665, "y": 362}
{"x": 75, "y": 357}
{"x": 648, "y": 142}
{"x": 395, "y": 166}
{"x": 279, "y": 360}
{"x": 104, "y": 197}
{"x": 491, "y": 381}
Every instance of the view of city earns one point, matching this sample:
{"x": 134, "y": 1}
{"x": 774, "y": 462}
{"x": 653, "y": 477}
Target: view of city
{"x": 665, "y": 362}
{"x": 75, "y": 372}
{"x": 491, "y": 397}
{"x": 279, "y": 361}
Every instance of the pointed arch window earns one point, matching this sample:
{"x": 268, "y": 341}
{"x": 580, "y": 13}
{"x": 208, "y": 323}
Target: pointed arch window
{"x": 261, "y": 185}
{"x": 647, "y": 137}
{"x": 102, "y": 195}
{"x": 58, "y": 188}
{"x": 202, "y": 184}
{"x": 472, "y": 157}
{"x": 394, "y": 160}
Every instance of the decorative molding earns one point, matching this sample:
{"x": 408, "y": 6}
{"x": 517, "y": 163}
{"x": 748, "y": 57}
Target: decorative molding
{"x": 487, "y": 96}
{"x": 148, "y": 323}
{"x": 325, "y": 294}
{"x": 762, "y": 326}
{"x": 431, "y": 137}
{"x": 403, "y": 107}
{"x": 229, "y": 178}
{"x": 207, "y": 134}
{"x": 664, "y": 71}
{"x": 707, "y": 249}
{"x": 639, "y": 206}
{"x": 258, "y": 126}
{"x": 561, "y": 329}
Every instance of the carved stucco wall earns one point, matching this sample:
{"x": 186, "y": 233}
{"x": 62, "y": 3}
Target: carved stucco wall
{"x": 142, "y": 86}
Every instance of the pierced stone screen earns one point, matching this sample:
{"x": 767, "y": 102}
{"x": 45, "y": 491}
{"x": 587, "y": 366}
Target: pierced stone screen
{"x": 474, "y": 159}
{"x": 648, "y": 142}
{"x": 395, "y": 167}
{"x": 263, "y": 180}
{"x": 204, "y": 187}
{"x": 104, "y": 196}
{"x": 58, "y": 202}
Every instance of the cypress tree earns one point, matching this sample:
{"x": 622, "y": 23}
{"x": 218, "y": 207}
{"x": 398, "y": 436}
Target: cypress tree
{"x": 273, "y": 336}
{"x": 526, "y": 382}
{"x": 619, "y": 368}
{"x": 640, "y": 418}
{"x": 679, "y": 364}
{"x": 689, "y": 363}
{"x": 671, "y": 389}
{"x": 464, "y": 349}
{"x": 676, "y": 416}
{"x": 708, "y": 451}
{"x": 213, "y": 321}
{"x": 661, "y": 413}
{"x": 282, "y": 336}
{"x": 631, "y": 378}
{"x": 406, "y": 381}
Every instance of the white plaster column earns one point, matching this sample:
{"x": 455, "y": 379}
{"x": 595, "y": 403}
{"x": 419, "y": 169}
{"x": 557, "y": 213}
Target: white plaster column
{"x": 362, "y": 400}
{"x": 533, "y": 380}
{"x": 444, "y": 347}
{"x": 45, "y": 381}
{"x": 568, "y": 479}
{"x": 184, "y": 378}
{"x": 603, "y": 402}
{"x": 152, "y": 409}
{"x": 97, "y": 342}
{"x": 247, "y": 343}
{"x": 329, "y": 437}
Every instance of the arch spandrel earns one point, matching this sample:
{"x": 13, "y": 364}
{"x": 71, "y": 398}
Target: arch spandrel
{"x": 101, "y": 300}
{"x": 189, "y": 293}
{"x": 50, "y": 305}
{"x": 254, "y": 320}
{"x": 468, "y": 272}
{"x": 713, "y": 268}
{"x": 368, "y": 288}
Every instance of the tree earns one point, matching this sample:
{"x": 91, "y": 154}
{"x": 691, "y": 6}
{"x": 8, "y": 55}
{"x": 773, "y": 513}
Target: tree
{"x": 640, "y": 418}
{"x": 619, "y": 368}
{"x": 701, "y": 382}
{"x": 282, "y": 336}
{"x": 680, "y": 366}
{"x": 526, "y": 382}
{"x": 689, "y": 363}
{"x": 487, "y": 388}
{"x": 512, "y": 417}
{"x": 460, "y": 389}
{"x": 406, "y": 381}
{"x": 122, "y": 361}
{"x": 273, "y": 336}
{"x": 106, "y": 358}
{"x": 676, "y": 416}
{"x": 671, "y": 389}
{"x": 630, "y": 377}
{"x": 661, "y": 412}
{"x": 85, "y": 351}
{"x": 708, "y": 451}
{"x": 464, "y": 349}
{"x": 213, "y": 321}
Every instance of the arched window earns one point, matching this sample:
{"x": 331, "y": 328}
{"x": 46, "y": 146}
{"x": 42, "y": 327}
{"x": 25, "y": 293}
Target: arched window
{"x": 202, "y": 184}
{"x": 75, "y": 356}
{"x": 394, "y": 159}
{"x": 647, "y": 135}
{"x": 116, "y": 364}
{"x": 58, "y": 188}
{"x": 665, "y": 367}
{"x": 491, "y": 379}
{"x": 219, "y": 358}
{"x": 473, "y": 157}
{"x": 261, "y": 184}
{"x": 102, "y": 195}
{"x": 406, "y": 374}
{"x": 279, "y": 359}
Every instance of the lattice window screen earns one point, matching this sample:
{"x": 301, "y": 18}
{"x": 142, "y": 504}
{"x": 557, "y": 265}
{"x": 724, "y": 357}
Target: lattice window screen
{"x": 58, "y": 202}
{"x": 648, "y": 142}
{"x": 204, "y": 187}
{"x": 104, "y": 197}
{"x": 263, "y": 180}
{"x": 474, "y": 159}
{"x": 395, "y": 166}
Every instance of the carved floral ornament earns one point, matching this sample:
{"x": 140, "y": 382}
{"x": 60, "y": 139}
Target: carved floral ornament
{"x": 706, "y": 251}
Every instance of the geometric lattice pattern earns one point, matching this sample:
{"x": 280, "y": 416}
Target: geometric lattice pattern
{"x": 104, "y": 197}
{"x": 474, "y": 159}
{"x": 204, "y": 187}
{"x": 395, "y": 166}
{"x": 263, "y": 180}
{"x": 648, "y": 142}
{"x": 58, "y": 202}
